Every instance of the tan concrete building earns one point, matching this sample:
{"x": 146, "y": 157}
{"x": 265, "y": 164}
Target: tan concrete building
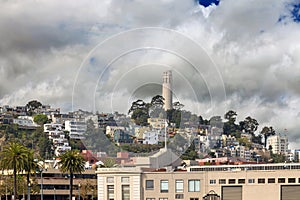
{"x": 226, "y": 182}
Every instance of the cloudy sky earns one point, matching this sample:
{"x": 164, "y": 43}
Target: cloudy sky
{"x": 101, "y": 55}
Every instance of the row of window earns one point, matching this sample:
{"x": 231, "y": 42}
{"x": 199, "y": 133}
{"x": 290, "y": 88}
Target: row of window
{"x": 167, "y": 199}
{"x": 112, "y": 179}
{"x": 193, "y": 185}
{"x": 247, "y": 167}
{"x": 252, "y": 180}
{"x": 125, "y": 192}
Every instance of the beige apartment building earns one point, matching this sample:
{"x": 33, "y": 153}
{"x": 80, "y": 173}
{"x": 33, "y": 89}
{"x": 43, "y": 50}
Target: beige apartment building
{"x": 226, "y": 182}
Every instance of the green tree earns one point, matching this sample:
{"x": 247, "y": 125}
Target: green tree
{"x": 190, "y": 153}
{"x": 40, "y": 119}
{"x": 230, "y": 128}
{"x": 203, "y": 121}
{"x": 177, "y": 105}
{"x": 14, "y": 156}
{"x": 72, "y": 162}
{"x": 250, "y": 125}
{"x": 157, "y": 101}
{"x": 216, "y": 121}
{"x": 174, "y": 116}
{"x": 31, "y": 107}
{"x": 109, "y": 162}
{"x": 230, "y": 116}
{"x": 139, "y": 112}
{"x": 266, "y": 132}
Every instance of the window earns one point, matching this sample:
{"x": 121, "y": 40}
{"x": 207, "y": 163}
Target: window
{"x": 125, "y": 179}
{"x": 194, "y": 185}
{"x": 222, "y": 181}
{"x": 271, "y": 180}
{"x": 212, "y": 181}
{"x": 125, "y": 192}
{"x": 110, "y": 192}
{"x": 179, "y": 186}
{"x": 241, "y": 181}
{"x": 164, "y": 186}
{"x": 178, "y": 196}
{"x": 291, "y": 180}
{"x": 163, "y": 198}
{"x": 281, "y": 180}
{"x": 110, "y": 179}
{"x": 149, "y": 184}
{"x": 261, "y": 180}
{"x": 251, "y": 180}
{"x": 231, "y": 181}
{"x": 194, "y": 198}
{"x": 150, "y": 198}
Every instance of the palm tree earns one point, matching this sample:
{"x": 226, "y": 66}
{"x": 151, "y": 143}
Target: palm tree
{"x": 14, "y": 156}
{"x": 72, "y": 162}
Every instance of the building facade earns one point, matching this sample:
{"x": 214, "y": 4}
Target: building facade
{"x": 226, "y": 182}
{"x": 279, "y": 143}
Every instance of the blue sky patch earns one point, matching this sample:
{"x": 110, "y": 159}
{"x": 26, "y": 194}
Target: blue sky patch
{"x": 296, "y": 12}
{"x": 207, "y": 3}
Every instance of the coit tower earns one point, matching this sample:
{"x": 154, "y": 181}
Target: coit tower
{"x": 167, "y": 89}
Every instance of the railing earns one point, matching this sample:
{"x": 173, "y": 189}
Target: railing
{"x": 263, "y": 167}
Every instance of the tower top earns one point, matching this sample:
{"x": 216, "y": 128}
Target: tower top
{"x": 167, "y": 76}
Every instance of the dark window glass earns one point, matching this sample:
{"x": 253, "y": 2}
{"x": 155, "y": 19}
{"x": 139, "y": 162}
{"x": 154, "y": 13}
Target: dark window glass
{"x": 271, "y": 180}
{"x": 222, "y": 181}
{"x": 281, "y": 180}
{"x": 241, "y": 181}
{"x": 291, "y": 180}
{"x": 261, "y": 180}
{"x": 149, "y": 184}
{"x": 231, "y": 181}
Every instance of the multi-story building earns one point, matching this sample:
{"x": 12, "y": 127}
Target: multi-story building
{"x": 226, "y": 182}
{"x": 25, "y": 122}
{"x": 76, "y": 128}
{"x": 57, "y": 136}
{"x": 278, "y": 143}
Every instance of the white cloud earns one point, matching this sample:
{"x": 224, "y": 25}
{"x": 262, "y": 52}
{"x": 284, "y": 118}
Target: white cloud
{"x": 43, "y": 43}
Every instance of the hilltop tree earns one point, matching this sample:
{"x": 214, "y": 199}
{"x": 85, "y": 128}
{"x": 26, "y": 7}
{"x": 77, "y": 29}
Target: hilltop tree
{"x": 31, "y": 106}
{"x": 177, "y": 105}
{"x": 156, "y": 106}
{"x": 216, "y": 121}
{"x": 139, "y": 112}
{"x": 203, "y": 121}
{"x": 266, "y": 132}
{"x": 230, "y": 116}
{"x": 250, "y": 125}
{"x": 230, "y": 128}
{"x": 157, "y": 101}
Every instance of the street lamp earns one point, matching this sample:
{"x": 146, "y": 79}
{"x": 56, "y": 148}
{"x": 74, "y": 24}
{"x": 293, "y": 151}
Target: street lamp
{"x": 40, "y": 169}
{"x": 42, "y": 196}
{"x": 5, "y": 185}
{"x": 28, "y": 193}
{"x": 54, "y": 193}
{"x": 79, "y": 191}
